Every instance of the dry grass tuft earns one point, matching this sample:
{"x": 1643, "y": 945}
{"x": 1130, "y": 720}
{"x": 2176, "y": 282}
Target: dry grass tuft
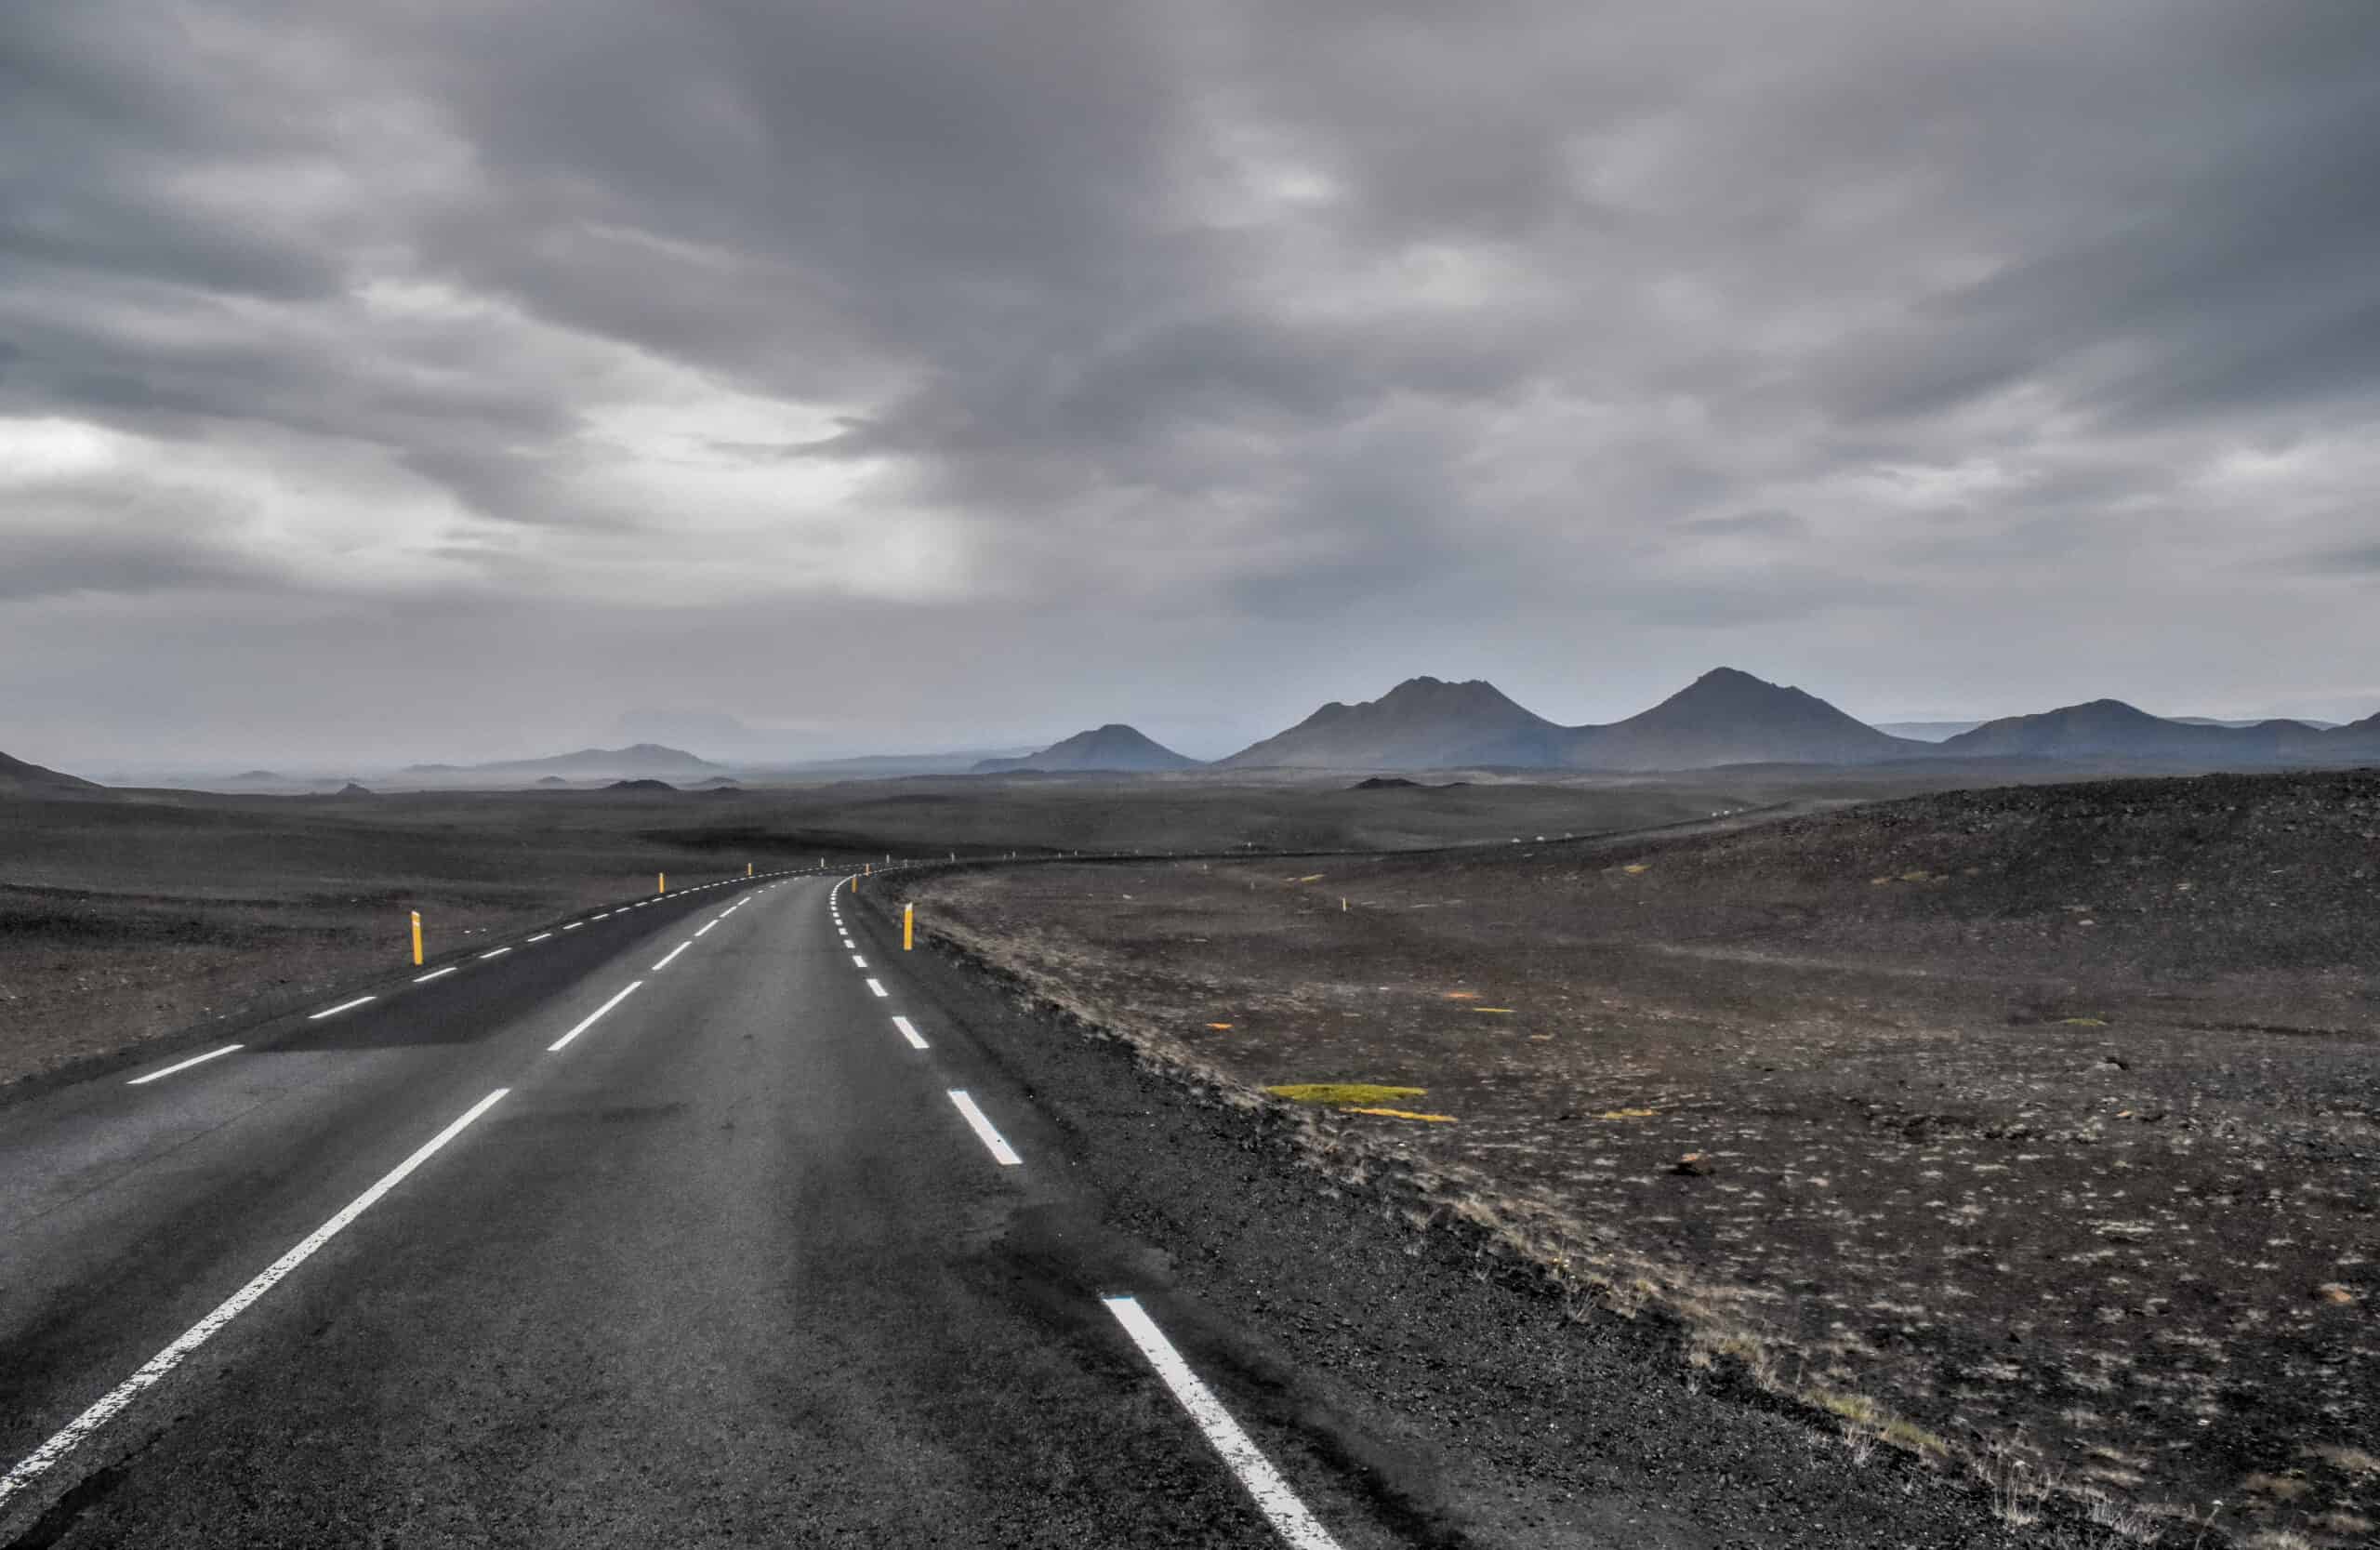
{"x": 1343, "y": 1094}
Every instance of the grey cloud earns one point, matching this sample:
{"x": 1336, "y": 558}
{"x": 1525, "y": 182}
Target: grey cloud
{"x": 1269, "y": 320}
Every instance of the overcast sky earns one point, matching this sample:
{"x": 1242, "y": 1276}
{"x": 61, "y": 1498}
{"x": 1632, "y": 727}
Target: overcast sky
{"x": 393, "y": 380}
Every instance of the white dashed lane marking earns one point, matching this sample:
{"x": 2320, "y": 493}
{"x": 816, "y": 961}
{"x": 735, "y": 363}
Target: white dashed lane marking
{"x": 194, "y": 1060}
{"x": 593, "y": 1017}
{"x": 436, "y": 973}
{"x": 1273, "y": 1497}
{"x": 673, "y": 953}
{"x": 40, "y": 1460}
{"x": 343, "y": 1006}
{"x": 878, "y": 988}
{"x": 917, "y": 1040}
{"x": 1001, "y": 1152}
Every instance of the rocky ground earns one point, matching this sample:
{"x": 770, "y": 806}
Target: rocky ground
{"x": 128, "y": 917}
{"x": 2028, "y": 1132}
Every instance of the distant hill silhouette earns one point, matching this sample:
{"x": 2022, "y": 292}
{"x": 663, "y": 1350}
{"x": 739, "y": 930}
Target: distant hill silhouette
{"x": 1423, "y": 723}
{"x": 645, "y": 785}
{"x": 550, "y": 780}
{"x": 1386, "y": 783}
{"x": 1114, "y": 747}
{"x": 355, "y": 788}
{"x": 2111, "y": 729}
{"x": 1727, "y": 717}
{"x": 641, "y": 758}
{"x": 18, "y": 777}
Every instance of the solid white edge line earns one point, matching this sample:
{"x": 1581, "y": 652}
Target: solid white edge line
{"x": 40, "y": 1460}
{"x": 593, "y": 1016}
{"x": 343, "y": 1006}
{"x": 880, "y": 989}
{"x": 1273, "y": 1497}
{"x": 436, "y": 973}
{"x": 497, "y": 953}
{"x": 1001, "y": 1152}
{"x": 673, "y": 953}
{"x": 194, "y": 1060}
{"x": 917, "y": 1040}
{"x": 858, "y": 962}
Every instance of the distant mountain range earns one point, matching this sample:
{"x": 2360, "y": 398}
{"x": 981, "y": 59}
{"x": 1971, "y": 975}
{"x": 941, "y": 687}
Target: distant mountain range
{"x": 638, "y": 761}
{"x": 1114, "y": 747}
{"x": 1725, "y": 717}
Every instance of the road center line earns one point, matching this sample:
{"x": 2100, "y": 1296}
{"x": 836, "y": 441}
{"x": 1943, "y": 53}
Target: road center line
{"x": 1001, "y": 1152}
{"x": 858, "y": 962}
{"x": 706, "y": 931}
{"x": 41, "y": 1459}
{"x": 343, "y": 1006}
{"x": 1273, "y": 1497}
{"x": 541, "y": 937}
{"x": 574, "y": 925}
{"x": 878, "y": 988}
{"x": 194, "y": 1060}
{"x": 436, "y": 973}
{"x": 593, "y": 1016}
{"x": 498, "y": 953}
{"x": 917, "y": 1040}
{"x": 673, "y": 953}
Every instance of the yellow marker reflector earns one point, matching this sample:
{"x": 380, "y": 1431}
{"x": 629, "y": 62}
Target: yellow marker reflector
{"x": 1635, "y": 869}
{"x": 1462, "y": 995}
{"x": 1219, "y": 1026}
{"x": 1628, "y": 1113}
{"x": 1403, "y": 1113}
{"x": 1498, "y": 1011}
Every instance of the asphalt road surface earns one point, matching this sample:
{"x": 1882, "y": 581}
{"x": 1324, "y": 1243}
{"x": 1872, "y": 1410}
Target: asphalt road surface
{"x": 680, "y": 1225}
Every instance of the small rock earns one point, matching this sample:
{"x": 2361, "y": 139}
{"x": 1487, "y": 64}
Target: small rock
{"x": 1693, "y": 1165}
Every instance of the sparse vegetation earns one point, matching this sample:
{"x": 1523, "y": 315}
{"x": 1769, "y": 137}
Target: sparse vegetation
{"x": 1964, "y": 1167}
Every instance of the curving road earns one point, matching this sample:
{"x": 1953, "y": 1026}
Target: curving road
{"x": 683, "y": 1223}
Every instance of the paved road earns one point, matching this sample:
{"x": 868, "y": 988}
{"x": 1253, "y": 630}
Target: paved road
{"x": 731, "y": 1264}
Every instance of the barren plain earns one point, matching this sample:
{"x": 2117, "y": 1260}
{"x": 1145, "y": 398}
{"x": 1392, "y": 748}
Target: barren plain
{"x": 2031, "y": 1132}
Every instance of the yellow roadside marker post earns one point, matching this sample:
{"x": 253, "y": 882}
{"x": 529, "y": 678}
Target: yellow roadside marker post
{"x": 661, "y": 882}
{"x": 416, "y": 938}
{"x": 909, "y": 926}
{"x": 748, "y": 868}
{"x": 867, "y": 869}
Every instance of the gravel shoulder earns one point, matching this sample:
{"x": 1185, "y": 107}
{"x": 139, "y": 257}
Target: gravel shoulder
{"x": 1420, "y": 1349}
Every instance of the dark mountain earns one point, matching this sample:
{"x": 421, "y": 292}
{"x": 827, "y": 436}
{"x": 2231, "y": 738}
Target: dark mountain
{"x": 1423, "y": 723}
{"x": 550, "y": 780}
{"x": 1386, "y": 783}
{"x": 2109, "y": 729}
{"x": 647, "y": 784}
{"x": 355, "y": 788}
{"x": 641, "y": 758}
{"x": 1727, "y": 717}
{"x": 18, "y": 778}
{"x": 1113, "y": 747}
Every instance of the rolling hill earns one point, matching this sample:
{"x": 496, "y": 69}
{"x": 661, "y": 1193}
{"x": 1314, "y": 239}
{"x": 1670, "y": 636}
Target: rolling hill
{"x": 1423, "y": 723}
{"x": 1727, "y": 717}
{"x": 640, "y": 758}
{"x": 2111, "y": 729}
{"x": 18, "y": 777}
{"x": 1114, "y": 747}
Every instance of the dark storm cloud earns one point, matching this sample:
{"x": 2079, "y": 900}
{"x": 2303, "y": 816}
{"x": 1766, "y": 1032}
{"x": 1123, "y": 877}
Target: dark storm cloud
{"x": 1220, "y": 318}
